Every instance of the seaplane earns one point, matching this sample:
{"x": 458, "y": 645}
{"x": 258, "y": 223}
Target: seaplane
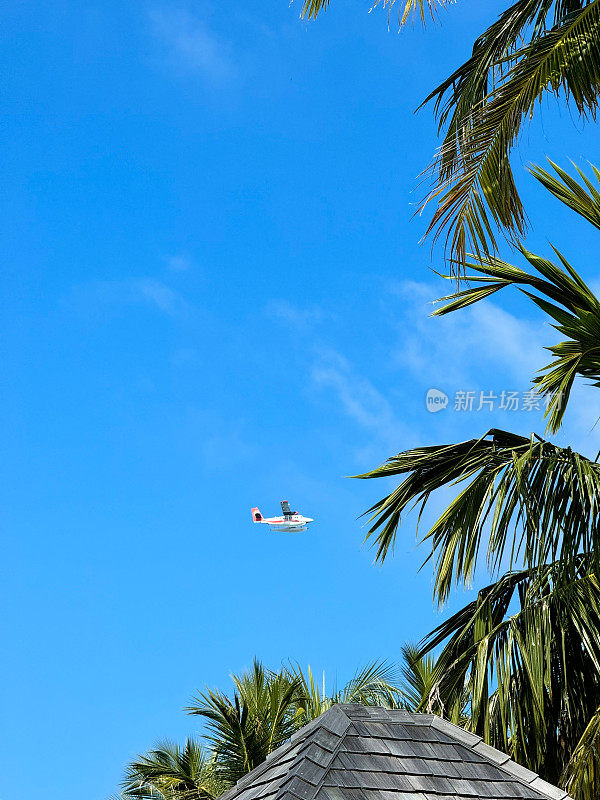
{"x": 290, "y": 522}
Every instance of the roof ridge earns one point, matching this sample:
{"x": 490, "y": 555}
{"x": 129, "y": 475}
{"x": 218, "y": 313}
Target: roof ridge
{"x": 303, "y": 734}
{"x": 335, "y": 721}
{"x": 283, "y": 748}
{"x": 503, "y": 762}
{"x": 361, "y": 713}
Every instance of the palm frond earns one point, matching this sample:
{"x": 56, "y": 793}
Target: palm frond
{"x": 171, "y": 772}
{"x": 581, "y": 776}
{"x": 311, "y": 698}
{"x": 564, "y": 296}
{"x": 532, "y": 671}
{"x": 534, "y": 47}
{"x": 312, "y": 8}
{"x": 529, "y": 499}
{"x": 376, "y": 684}
{"x": 583, "y": 197}
{"x": 230, "y": 732}
{"x": 409, "y": 9}
{"x": 474, "y": 190}
{"x": 419, "y": 676}
{"x": 469, "y": 85}
{"x": 244, "y": 729}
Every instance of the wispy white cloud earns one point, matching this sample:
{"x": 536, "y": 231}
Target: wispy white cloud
{"x": 157, "y": 294}
{"x": 295, "y": 317}
{"x": 455, "y": 349}
{"x": 484, "y": 347}
{"x": 137, "y": 291}
{"x": 333, "y": 374}
{"x": 359, "y": 399}
{"x": 178, "y": 263}
{"x": 467, "y": 349}
{"x": 191, "y": 44}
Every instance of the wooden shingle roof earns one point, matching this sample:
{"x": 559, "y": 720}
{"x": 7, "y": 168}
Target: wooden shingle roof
{"x": 355, "y": 752}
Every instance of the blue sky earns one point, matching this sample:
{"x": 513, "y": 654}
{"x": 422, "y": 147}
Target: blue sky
{"x": 214, "y": 297}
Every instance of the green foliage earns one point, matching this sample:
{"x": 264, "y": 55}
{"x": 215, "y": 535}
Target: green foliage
{"x": 243, "y": 730}
{"x": 558, "y": 291}
{"x": 376, "y": 684}
{"x": 536, "y": 46}
{"x": 421, "y": 673}
{"x": 526, "y": 651}
{"x": 408, "y": 8}
{"x": 583, "y": 198}
{"x": 581, "y": 775}
{"x": 527, "y": 499}
{"x": 170, "y": 772}
{"x": 418, "y": 678}
{"x": 533, "y": 48}
{"x": 267, "y": 707}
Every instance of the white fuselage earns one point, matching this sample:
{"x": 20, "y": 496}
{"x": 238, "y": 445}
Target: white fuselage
{"x": 296, "y": 522}
{"x": 288, "y": 522}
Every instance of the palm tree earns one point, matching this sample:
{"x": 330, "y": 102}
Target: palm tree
{"x": 534, "y": 47}
{"x": 419, "y": 676}
{"x": 268, "y": 707}
{"x": 527, "y": 650}
{"x": 170, "y": 772}
{"x": 245, "y": 729}
{"x": 374, "y": 685}
{"x": 265, "y": 710}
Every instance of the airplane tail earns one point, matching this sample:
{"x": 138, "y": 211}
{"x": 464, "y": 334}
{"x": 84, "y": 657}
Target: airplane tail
{"x": 256, "y": 515}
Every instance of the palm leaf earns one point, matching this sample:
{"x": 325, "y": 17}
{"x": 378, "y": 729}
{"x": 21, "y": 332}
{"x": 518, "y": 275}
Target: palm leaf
{"x": 376, "y": 684}
{"x": 420, "y": 674}
{"x": 244, "y": 729}
{"x": 534, "y": 47}
{"x": 523, "y": 499}
{"x": 312, "y": 8}
{"x": 583, "y": 198}
{"x": 469, "y": 85}
{"x": 474, "y": 190}
{"x": 582, "y": 772}
{"x": 170, "y": 772}
{"x": 408, "y": 8}
{"x": 564, "y": 296}
{"x": 311, "y": 700}
{"x": 532, "y": 672}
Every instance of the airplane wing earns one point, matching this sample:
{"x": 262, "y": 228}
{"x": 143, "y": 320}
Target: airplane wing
{"x": 287, "y": 512}
{"x": 285, "y": 507}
